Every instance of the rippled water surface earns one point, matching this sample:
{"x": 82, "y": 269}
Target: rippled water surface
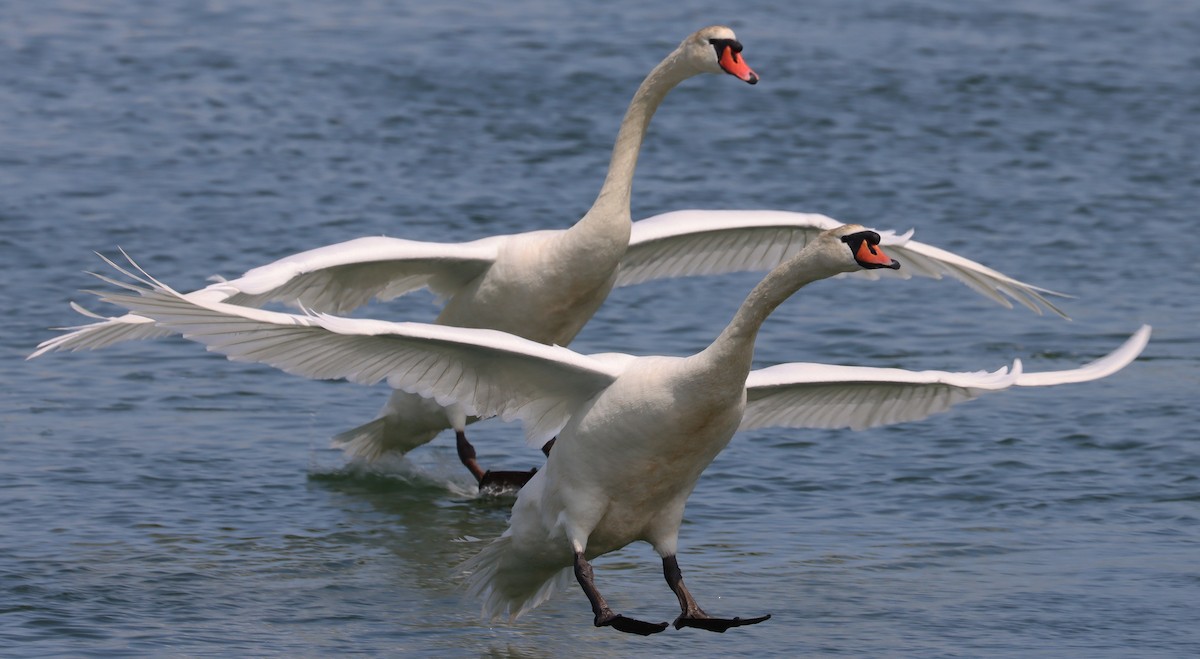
{"x": 158, "y": 500}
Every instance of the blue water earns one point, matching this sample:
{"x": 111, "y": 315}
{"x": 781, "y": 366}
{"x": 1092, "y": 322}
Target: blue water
{"x": 158, "y": 500}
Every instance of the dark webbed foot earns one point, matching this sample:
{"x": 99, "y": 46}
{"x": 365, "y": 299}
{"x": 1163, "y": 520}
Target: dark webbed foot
{"x": 630, "y": 625}
{"x": 604, "y": 615}
{"x": 691, "y": 615}
{"x": 494, "y": 482}
{"x": 719, "y": 625}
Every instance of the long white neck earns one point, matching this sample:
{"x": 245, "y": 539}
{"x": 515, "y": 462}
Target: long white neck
{"x": 732, "y": 353}
{"x": 610, "y": 214}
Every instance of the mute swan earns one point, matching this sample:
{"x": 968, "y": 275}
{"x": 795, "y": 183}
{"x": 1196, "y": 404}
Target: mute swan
{"x": 634, "y": 433}
{"x": 341, "y": 277}
{"x": 541, "y": 285}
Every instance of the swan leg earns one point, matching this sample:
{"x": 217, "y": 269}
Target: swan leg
{"x": 693, "y": 615}
{"x": 466, "y": 454}
{"x": 604, "y": 615}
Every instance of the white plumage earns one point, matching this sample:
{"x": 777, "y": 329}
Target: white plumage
{"x": 542, "y": 285}
{"x": 545, "y": 285}
{"x": 634, "y": 432}
{"x": 676, "y": 244}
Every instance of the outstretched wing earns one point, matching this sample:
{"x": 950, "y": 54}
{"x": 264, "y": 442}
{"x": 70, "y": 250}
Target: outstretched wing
{"x": 703, "y": 242}
{"x": 487, "y": 373}
{"x": 801, "y": 395}
{"x": 342, "y": 277}
{"x": 333, "y": 279}
{"x": 1100, "y": 368}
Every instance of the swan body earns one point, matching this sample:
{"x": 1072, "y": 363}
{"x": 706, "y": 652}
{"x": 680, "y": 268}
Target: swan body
{"x": 541, "y": 285}
{"x": 634, "y": 433}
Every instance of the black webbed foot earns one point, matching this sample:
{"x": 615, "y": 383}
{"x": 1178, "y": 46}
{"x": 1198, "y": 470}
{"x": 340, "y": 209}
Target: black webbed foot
{"x": 496, "y": 482}
{"x": 604, "y": 615}
{"x": 631, "y": 625}
{"x": 719, "y": 625}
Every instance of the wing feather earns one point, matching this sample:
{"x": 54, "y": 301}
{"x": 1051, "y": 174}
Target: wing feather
{"x": 806, "y": 395}
{"x": 342, "y": 277}
{"x": 486, "y": 372}
{"x": 706, "y": 242}
{"x": 334, "y": 279}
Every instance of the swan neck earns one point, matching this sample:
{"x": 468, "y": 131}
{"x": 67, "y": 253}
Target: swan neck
{"x": 615, "y": 194}
{"x": 734, "y": 348}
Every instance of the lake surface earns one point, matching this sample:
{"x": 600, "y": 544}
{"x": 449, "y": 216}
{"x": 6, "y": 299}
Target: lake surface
{"x": 156, "y": 499}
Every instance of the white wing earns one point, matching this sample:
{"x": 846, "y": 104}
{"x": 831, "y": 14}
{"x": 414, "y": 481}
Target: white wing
{"x": 486, "y": 372}
{"x": 802, "y": 395}
{"x": 703, "y": 242}
{"x": 106, "y": 332}
{"x": 1103, "y": 367}
{"x": 339, "y": 278}
{"x": 342, "y": 277}
{"x": 334, "y": 279}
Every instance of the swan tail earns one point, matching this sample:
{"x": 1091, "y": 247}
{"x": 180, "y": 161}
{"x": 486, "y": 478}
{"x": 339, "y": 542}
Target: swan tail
{"x": 511, "y": 584}
{"x": 405, "y": 422}
{"x": 365, "y": 441}
{"x": 373, "y": 439}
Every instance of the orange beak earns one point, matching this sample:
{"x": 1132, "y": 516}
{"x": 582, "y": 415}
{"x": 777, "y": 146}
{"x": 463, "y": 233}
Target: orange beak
{"x": 873, "y": 254}
{"x": 734, "y": 65}
{"x": 867, "y": 252}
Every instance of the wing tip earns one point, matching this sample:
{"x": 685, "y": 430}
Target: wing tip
{"x": 1111, "y": 363}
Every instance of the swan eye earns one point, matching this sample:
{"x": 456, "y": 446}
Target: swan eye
{"x": 721, "y": 44}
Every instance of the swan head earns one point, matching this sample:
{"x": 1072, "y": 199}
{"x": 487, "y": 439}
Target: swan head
{"x": 859, "y": 247}
{"x": 715, "y": 49}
